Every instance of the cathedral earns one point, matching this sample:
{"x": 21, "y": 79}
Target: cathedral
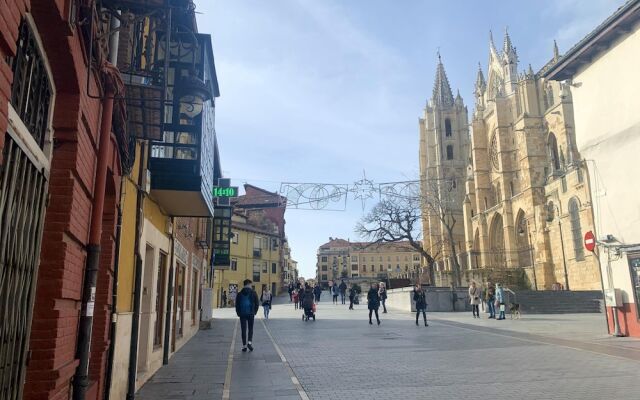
{"x": 505, "y": 197}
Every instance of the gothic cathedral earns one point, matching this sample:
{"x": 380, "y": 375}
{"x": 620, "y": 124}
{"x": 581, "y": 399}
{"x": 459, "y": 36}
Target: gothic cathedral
{"x": 509, "y": 201}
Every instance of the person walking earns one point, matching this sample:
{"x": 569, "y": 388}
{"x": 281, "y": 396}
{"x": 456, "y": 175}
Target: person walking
{"x": 334, "y": 292}
{"x": 266, "y": 299}
{"x": 294, "y": 294}
{"x": 490, "y": 298}
{"x": 373, "y": 302}
{"x": 223, "y": 299}
{"x": 343, "y": 291}
{"x": 301, "y": 296}
{"x": 246, "y": 308}
{"x": 474, "y": 299}
{"x": 383, "y": 296}
{"x": 352, "y": 295}
{"x": 420, "y": 298}
{"x": 500, "y": 300}
{"x": 290, "y": 291}
{"x": 317, "y": 290}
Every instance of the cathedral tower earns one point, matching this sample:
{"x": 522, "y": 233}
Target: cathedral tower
{"x": 444, "y": 149}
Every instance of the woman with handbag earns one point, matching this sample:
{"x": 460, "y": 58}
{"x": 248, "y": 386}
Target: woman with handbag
{"x": 420, "y": 298}
{"x": 474, "y": 299}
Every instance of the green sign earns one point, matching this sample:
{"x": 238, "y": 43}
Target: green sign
{"x": 225, "y": 191}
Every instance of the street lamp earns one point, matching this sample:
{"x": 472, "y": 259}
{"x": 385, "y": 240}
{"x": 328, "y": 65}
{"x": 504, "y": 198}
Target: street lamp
{"x": 521, "y": 232}
{"x": 564, "y": 259}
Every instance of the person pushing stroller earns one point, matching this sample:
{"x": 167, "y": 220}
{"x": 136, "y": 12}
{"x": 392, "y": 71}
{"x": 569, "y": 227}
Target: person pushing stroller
{"x": 308, "y": 304}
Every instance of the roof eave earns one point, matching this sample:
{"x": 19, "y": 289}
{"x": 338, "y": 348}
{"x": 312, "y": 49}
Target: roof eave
{"x": 619, "y": 23}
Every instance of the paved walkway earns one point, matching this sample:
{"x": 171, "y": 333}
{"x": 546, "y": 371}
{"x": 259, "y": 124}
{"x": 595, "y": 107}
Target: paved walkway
{"x": 341, "y": 356}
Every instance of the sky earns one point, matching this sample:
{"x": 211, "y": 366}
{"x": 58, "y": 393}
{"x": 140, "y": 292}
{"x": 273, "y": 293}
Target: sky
{"x": 325, "y": 91}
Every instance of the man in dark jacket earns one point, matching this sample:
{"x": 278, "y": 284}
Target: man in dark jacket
{"x": 343, "y": 291}
{"x": 373, "y": 302}
{"x": 317, "y": 291}
{"x": 247, "y": 305}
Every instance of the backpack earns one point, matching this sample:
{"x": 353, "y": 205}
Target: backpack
{"x": 244, "y": 305}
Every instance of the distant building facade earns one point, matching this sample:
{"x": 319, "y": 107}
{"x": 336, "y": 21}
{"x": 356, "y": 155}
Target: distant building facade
{"x": 341, "y": 259}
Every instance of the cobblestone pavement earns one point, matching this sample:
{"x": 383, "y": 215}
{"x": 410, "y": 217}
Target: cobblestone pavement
{"x": 341, "y": 356}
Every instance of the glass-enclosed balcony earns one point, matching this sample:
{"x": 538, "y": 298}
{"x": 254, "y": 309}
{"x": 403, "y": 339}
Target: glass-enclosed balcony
{"x": 182, "y": 161}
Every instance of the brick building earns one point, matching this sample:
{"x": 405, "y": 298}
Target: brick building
{"x": 62, "y": 144}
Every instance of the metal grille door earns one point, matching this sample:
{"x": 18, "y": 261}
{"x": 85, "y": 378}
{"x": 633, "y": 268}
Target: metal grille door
{"x": 23, "y": 190}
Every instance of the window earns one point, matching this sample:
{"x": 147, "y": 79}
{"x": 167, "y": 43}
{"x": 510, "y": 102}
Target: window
{"x": 579, "y": 175}
{"x": 354, "y": 267}
{"x": 256, "y": 271}
{"x": 324, "y": 259}
{"x": 160, "y": 283}
{"x": 552, "y": 147}
{"x": 274, "y": 244}
{"x": 265, "y": 267}
{"x": 324, "y": 277}
{"x": 257, "y": 243}
{"x": 324, "y": 267}
{"x": 449, "y": 152}
{"x": 274, "y": 268}
{"x": 373, "y": 268}
{"x": 381, "y": 268}
{"x": 576, "y": 229}
{"x": 354, "y": 258}
{"x": 234, "y": 264}
{"x": 416, "y": 257}
{"x": 364, "y": 268}
{"x": 447, "y": 127}
{"x": 234, "y": 237}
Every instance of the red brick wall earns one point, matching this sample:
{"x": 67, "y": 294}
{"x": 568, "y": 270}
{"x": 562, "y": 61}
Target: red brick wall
{"x": 76, "y": 124}
{"x": 627, "y": 318}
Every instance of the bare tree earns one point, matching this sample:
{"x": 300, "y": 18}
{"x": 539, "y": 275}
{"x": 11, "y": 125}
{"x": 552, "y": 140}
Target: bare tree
{"x": 437, "y": 199}
{"x": 396, "y": 220}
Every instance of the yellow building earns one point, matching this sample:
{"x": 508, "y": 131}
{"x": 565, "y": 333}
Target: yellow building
{"x": 255, "y": 255}
{"x": 342, "y": 259}
{"x": 166, "y": 207}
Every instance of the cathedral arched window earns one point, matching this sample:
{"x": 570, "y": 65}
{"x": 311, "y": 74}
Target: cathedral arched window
{"x": 576, "y": 229}
{"x": 449, "y": 152}
{"x": 447, "y": 127}
{"x": 552, "y": 146}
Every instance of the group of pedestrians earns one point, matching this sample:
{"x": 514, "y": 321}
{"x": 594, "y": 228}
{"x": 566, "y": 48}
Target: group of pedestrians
{"x": 493, "y": 296}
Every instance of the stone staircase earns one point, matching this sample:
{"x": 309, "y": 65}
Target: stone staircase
{"x": 557, "y": 302}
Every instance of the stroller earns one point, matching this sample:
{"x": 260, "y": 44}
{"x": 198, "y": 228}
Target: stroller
{"x": 308, "y": 306}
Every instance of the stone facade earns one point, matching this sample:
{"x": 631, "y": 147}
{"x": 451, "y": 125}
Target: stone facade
{"x": 527, "y": 204}
{"x": 342, "y": 259}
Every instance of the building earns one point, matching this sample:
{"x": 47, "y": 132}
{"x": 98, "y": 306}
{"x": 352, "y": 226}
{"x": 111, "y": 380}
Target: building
{"x": 444, "y": 152}
{"x": 343, "y": 259}
{"x": 167, "y": 203}
{"x": 601, "y": 69}
{"x": 527, "y": 202}
{"x": 255, "y": 255}
{"x": 63, "y": 150}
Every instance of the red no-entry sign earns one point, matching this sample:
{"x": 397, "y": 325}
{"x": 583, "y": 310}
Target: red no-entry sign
{"x": 589, "y": 241}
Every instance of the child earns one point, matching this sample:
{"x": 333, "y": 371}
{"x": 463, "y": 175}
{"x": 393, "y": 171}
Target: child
{"x": 295, "y": 298}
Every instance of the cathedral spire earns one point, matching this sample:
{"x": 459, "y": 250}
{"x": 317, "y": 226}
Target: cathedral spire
{"x": 481, "y": 84}
{"x": 508, "y": 51}
{"x": 556, "y": 52}
{"x": 492, "y": 45}
{"x": 442, "y": 94}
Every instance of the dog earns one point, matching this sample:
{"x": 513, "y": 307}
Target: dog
{"x": 514, "y": 309}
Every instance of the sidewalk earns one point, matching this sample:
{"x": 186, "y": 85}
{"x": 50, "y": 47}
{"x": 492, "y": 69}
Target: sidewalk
{"x": 200, "y": 370}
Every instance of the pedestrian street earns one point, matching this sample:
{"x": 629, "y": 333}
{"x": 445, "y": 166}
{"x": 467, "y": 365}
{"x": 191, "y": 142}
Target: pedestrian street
{"x": 341, "y": 356}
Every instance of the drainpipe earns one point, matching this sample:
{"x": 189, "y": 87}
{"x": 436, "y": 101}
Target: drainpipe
{"x": 112, "y": 82}
{"x": 137, "y": 292}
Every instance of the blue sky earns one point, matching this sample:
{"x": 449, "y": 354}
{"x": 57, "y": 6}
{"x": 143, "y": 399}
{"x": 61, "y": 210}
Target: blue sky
{"x": 322, "y": 90}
